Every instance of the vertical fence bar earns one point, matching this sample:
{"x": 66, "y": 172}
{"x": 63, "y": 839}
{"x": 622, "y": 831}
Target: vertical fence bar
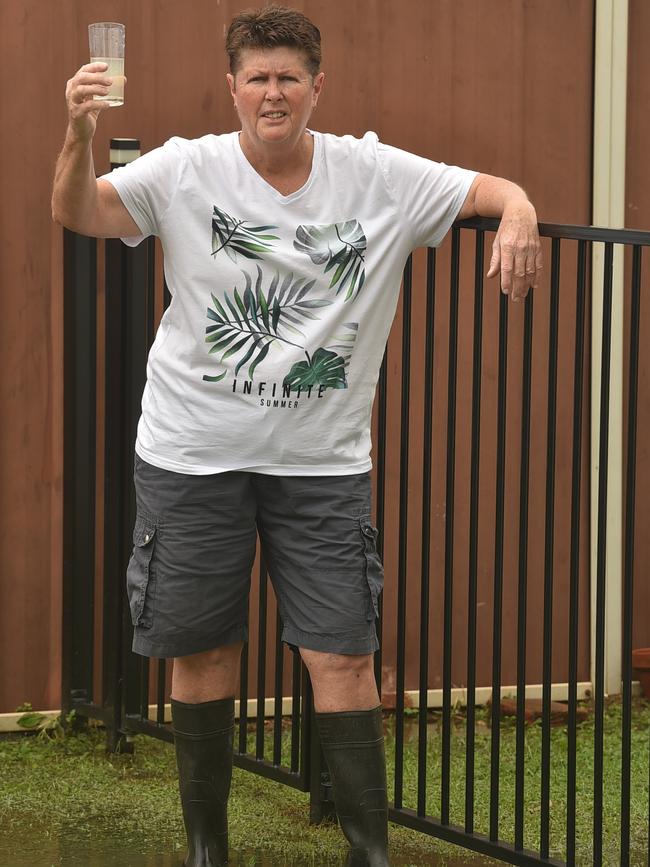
{"x": 449, "y": 525}
{"x": 403, "y": 519}
{"x": 497, "y": 618}
{"x": 382, "y": 411}
{"x": 144, "y": 687}
{"x": 426, "y": 534}
{"x": 261, "y": 662}
{"x": 522, "y": 572}
{"x": 603, "y": 451}
{"x": 472, "y": 593}
{"x": 380, "y": 492}
{"x": 79, "y": 456}
{"x": 295, "y": 712}
{"x": 277, "y": 705}
{"x": 574, "y": 578}
{"x": 548, "y": 550}
{"x": 311, "y": 752}
{"x": 162, "y": 677}
{"x": 243, "y": 701}
{"x": 628, "y": 589}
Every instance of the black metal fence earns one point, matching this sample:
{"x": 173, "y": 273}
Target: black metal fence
{"x": 295, "y": 759}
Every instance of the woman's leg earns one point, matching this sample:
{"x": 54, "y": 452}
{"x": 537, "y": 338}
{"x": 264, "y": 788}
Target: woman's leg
{"x": 349, "y": 720}
{"x": 341, "y": 681}
{"x": 207, "y": 676}
{"x": 203, "y": 705}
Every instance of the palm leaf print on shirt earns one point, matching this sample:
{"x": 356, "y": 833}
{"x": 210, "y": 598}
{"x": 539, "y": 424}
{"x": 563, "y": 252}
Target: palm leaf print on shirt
{"x": 235, "y": 237}
{"x": 343, "y": 342}
{"x": 247, "y": 324}
{"x": 326, "y": 366}
{"x": 341, "y": 247}
{"x": 323, "y": 368}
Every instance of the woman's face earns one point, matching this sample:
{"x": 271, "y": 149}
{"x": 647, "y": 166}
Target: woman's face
{"x": 274, "y": 95}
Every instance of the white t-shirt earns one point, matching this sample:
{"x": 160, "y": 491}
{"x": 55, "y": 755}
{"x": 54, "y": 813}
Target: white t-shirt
{"x": 269, "y": 353}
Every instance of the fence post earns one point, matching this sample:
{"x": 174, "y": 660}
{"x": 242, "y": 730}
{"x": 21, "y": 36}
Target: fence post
{"x": 608, "y": 209}
{"x": 79, "y": 365}
{"x": 126, "y": 270}
{"x": 139, "y": 335}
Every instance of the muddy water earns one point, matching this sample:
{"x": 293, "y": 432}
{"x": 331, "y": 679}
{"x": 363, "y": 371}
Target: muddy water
{"x": 67, "y": 851}
{"x": 126, "y": 859}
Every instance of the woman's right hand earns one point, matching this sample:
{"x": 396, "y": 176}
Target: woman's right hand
{"x": 83, "y": 110}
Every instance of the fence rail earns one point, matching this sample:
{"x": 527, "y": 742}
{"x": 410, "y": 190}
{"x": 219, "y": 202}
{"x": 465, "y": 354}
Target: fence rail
{"x": 130, "y": 684}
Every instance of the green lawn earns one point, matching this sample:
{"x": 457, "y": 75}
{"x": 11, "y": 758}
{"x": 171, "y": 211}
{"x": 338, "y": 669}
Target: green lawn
{"x": 558, "y": 777}
{"x": 63, "y": 790}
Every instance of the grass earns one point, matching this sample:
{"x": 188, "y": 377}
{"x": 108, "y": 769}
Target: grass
{"x": 66, "y": 788}
{"x": 558, "y": 782}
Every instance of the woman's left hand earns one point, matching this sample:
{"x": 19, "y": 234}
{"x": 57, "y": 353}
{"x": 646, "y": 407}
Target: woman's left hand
{"x": 517, "y": 252}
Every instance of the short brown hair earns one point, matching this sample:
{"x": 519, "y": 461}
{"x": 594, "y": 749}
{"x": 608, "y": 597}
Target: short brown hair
{"x": 271, "y": 27}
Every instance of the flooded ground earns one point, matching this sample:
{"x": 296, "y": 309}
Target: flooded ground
{"x": 121, "y": 858}
{"x": 68, "y": 851}
{"x": 124, "y": 859}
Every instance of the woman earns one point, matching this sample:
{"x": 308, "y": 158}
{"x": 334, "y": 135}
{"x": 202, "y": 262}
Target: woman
{"x": 284, "y": 250}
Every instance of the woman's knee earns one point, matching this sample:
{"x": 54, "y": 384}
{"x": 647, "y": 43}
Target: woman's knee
{"x": 216, "y": 657}
{"x": 336, "y": 663}
{"x": 206, "y": 676}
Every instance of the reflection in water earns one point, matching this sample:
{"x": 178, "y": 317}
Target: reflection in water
{"x": 36, "y": 848}
{"x": 118, "y": 856}
{"x": 125, "y": 859}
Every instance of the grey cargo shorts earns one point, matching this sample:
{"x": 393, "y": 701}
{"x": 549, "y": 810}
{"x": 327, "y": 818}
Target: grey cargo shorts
{"x": 194, "y": 544}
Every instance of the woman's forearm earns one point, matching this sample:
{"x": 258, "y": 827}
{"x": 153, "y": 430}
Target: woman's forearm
{"x": 74, "y": 195}
{"x": 494, "y": 196}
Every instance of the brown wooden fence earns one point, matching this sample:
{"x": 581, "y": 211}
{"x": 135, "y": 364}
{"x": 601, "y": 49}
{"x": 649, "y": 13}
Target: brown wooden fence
{"x": 504, "y": 87}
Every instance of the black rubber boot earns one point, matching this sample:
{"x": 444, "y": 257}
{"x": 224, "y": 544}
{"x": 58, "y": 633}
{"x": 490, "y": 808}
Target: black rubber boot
{"x": 353, "y": 745}
{"x": 203, "y": 734}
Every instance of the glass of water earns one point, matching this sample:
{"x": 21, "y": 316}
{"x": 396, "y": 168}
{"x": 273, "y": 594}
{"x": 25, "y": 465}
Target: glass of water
{"x": 107, "y": 46}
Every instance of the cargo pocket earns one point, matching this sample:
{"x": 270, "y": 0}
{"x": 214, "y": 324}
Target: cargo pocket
{"x": 374, "y": 568}
{"x": 139, "y": 578}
